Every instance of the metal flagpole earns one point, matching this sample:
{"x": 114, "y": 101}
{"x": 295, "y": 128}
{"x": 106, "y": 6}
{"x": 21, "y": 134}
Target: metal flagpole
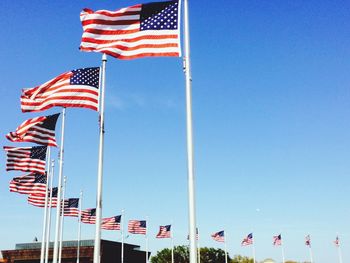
{"x": 97, "y": 247}
{"x": 43, "y": 241}
{"x": 79, "y": 224}
{"x": 311, "y": 258}
{"x": 62, "y": 218}
{"x": 146, "y": 236}
{"x": 190, "y": 152}
{"x": 122, "y": 233}
{"x": 60, "y": 172}
{"x": 48, "y": 233}
{"x": 172, "y": 242}
{"x": 253, "y": 249}
{"x": 225, "y": 247}
{"x": 198, "y": 247}
{"x": 340, "y": 255}
{"x": 283, "y": 260}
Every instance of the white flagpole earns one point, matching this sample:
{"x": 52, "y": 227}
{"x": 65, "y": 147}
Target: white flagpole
{"x": 253, "y": 249}
{"x": 190, "y": 151}
{"x": 97, "y": 247}
{"x": 43, "y": 241}
{"x": 48, "y": 232}
{"x": 172, "y": 242}
{"x": 311, "y": 258}
{"x": 122, "y": 233}
{"x": 225, "y": 235}
{"x": 60, "y": 172}
{"x": 79, "y": 224}
{"x": 340, "y": 255}
{"x": 146, "y": 236}
{"x": 62, "y": 218}
{"x": 283, "y": 260}
{"x": 198, "y": 250}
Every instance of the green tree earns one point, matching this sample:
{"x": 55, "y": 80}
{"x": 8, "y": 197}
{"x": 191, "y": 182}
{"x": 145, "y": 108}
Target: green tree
{"x": 241, "y": 259}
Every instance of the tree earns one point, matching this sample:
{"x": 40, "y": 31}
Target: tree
{"x": 241, "y": 259}
{"x": 181, "y": 255}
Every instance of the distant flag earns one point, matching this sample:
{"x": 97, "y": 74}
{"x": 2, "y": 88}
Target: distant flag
{"x": 88, "y": 216}
{"x": 29, "y": 184}
{"x": 308, "y": 241}
{"x": 39, "y": 200}
{"x": 40, "y": 130}
{"x": 71, "y": 207}
{"x": 337, "y": 241}
{"x": 74, "y": 89}
{"x": 277, "y": 240}
{"x": 143, "y": 30}
{"x": 164, "y": 232}
{"x": 137, "y": 227}
{"x": 26, "y": 159}
{"x": 219, "y": 236}
{"x": 197, "y": 235}
{"x": 247, "y": 240}
{"x": 111, "y": 223}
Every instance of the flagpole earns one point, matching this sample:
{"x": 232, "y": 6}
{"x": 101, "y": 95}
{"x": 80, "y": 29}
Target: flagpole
{"x": 190, "y": 151}
{"x": 282, "y": 247}
{"x": 48, "y": 233}
{"x": 60, "y": 172}
{"x": 311, "y": 258}
{"x": 172, "y": 242}
{"x": 79, "y": 224}
{"x": 253, "y": 249}
{"x": 225, "y": 247}
{"x": 198, "y": 249}
{"x": 146, "y": 236}
{"x": 340, "y": 255}
{"x": 62, "y": 218}
{"x": 122, "y": 233}
{"x": 97, "y": 247}
{"x": 43, "y": 240}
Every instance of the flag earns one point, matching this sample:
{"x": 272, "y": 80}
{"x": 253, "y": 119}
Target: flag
{"x": 74, "y": 89}
{"x": 247, "y": 240}
{"x": 39, "y": 200}
{"x": 111, "y": 223}
{"x": 88, "y": 216}
{"x": 40, "y": 130}
{"x": 219, "y": 236}
{"x": 143, "y": 30}
{"x": 308, "y": 241}
{"x": 277, "y": 240}
{"x": 26, "y": 159}
{"x": 71, "y": 207}
{"x": 337, "y": 241}
{"x": 197, "y": 235}
{"x": 137, "y": 227}
{"x": 29, "y": 184}
{"x": 164, "y": 232}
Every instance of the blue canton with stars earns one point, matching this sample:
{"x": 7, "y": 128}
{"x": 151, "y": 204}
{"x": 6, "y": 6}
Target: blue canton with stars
{"x": 38, "y": 152}
{"x": 85, "y": 76}
{"x": 159, "y": 16}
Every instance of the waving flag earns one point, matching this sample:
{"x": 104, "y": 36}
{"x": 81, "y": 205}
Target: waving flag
{"x": 76, "y": 89}
{"x": 71, "y": 207}
{"x": 40, "y": 130}
{"x": 219, "y": 236}
{"x": 26, "y": 159}
{"x": 137, "y": 227}
{"x": 39, "y": 200}
{"x": 337, "y": 241}
{"x": 111, "y": 223}
{"x": 247, "y": 240}
{"x": 164, "y": 232}
{"x": 29, "y": 184}
{"x": 143, "y": 30}
{"x": 88, "y": 216}
{"x": 308, "y": 241}
{"x": 277, "y": 240}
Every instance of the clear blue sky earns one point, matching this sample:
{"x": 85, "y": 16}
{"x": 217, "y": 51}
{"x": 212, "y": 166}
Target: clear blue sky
{"x": 271, "y": 93}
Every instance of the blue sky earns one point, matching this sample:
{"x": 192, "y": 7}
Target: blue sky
{"x": 271, "y": 124}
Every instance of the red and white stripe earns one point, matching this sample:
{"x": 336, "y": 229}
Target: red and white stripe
{"x": 25, "y": 185}
{"x": 109, "y": 223}
{"x": 59, "y": 92}
{"x": 86, "y": 217}
{"x": 134, "y": 227}
{"x": 39, "y": 201}
{"x": 118, "y": 34}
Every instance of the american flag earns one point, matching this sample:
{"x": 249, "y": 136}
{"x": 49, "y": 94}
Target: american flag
{"x": 277, "y": 240}
{"x": 26, "y": 159}
{"x": 29, "y": 184}
{"x": 337, "y": 242}
{"x": 143, "y": 30}
{"x": 39, "y": 200}
{"x": 77, "y": 88}
{"x": 164, "y": 232}
{"x": 71, "y": 207}
{"x": 88, "y": 216}
{"x": 40, "y": 130}
{"x": 308, "y": 241}
{"x": 219, "y": 236}
{"x": 137, "y": 227}
{"x": 111, "y": 223}
{"x": 247, "y": 240}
